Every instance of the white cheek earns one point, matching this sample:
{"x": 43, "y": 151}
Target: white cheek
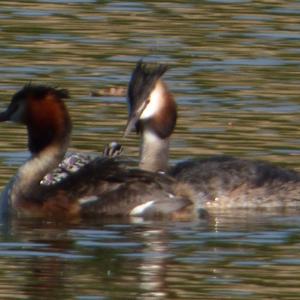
{"x": 154, "y": 104}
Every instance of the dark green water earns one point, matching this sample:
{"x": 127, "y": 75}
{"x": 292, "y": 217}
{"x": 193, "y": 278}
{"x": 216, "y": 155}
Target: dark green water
{"x": 235, "y": 72}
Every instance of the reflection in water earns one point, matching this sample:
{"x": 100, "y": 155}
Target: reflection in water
{"x": 235, "y": 74}
{"x": 153, "y": 260}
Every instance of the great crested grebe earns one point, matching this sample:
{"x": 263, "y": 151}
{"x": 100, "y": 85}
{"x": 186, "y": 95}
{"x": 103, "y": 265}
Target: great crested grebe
{"x": 101, "y": 187}
{"x": 73, "y": 161}
{"x": 219, "y": 181}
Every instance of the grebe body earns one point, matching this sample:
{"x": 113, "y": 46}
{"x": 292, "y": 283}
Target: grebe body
{"x": 218, "y": 181}
{"x": 102, "y": 186}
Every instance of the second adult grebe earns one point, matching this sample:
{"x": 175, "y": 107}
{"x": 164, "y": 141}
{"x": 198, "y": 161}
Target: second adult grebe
{"x": 218, "y": 181}
{"x": 101, "y": 187}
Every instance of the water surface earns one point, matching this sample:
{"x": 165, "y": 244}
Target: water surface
{"x": 235, "y": 75}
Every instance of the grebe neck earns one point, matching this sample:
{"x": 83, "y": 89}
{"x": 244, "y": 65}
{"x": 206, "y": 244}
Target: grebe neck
{"x": 29, "y": 175}
{"x": 154, "y": 152}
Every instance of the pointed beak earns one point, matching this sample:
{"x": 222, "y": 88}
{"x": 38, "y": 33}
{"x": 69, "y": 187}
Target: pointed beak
{"x": 4, "y": 116}
{"x": 133, "y": 118}
{"x": 130, "y": 125}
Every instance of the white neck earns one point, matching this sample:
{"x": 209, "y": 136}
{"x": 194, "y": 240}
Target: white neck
{"x": 154, "y": 152}
{"x": 30, "y": 174}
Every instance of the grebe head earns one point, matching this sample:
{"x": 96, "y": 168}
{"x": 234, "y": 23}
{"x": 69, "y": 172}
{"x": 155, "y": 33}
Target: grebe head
{"x": 42, "y": 110}
{"x": 150, "y": 104}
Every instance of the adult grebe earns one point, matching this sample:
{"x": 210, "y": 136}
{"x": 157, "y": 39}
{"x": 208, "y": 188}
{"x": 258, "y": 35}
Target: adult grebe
{"x": 101, "y": 187}
{"x": 219, "y": 181}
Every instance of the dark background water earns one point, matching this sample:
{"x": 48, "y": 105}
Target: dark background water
{"x": 235, "y": 75}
